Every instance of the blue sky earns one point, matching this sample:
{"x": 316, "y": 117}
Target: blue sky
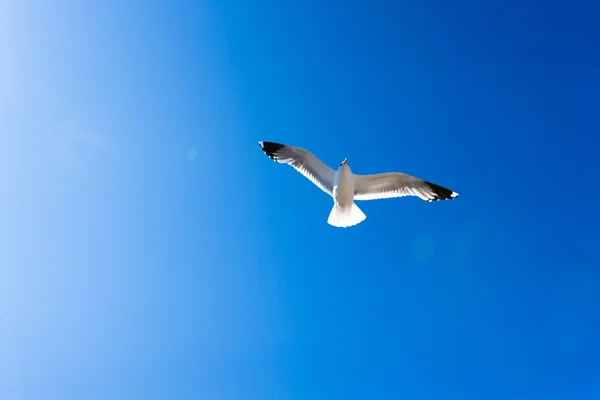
{"x": 148, "y": 249}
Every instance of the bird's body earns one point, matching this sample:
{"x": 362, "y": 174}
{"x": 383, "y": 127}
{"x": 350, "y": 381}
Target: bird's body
{"x": 345, "y": 187}
{"x": 344, "y": 212}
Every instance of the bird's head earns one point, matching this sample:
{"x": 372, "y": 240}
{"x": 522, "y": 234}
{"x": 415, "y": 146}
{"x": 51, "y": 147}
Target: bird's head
{"x": 345, "y": 162}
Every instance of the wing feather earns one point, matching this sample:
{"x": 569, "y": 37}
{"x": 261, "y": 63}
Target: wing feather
{"x": 397, "y": 184}
{"x": 304, "y": 162}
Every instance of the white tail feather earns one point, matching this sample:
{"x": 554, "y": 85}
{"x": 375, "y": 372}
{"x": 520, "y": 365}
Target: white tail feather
{"x": 346, "y": 218}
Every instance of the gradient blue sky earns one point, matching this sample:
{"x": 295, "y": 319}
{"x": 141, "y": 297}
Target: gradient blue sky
{"x": 148, "y": 249}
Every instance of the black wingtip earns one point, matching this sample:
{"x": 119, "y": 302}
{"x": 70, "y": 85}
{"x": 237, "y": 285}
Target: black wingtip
{"x": 270, "y": 148}
{"x": 441, "y": 193}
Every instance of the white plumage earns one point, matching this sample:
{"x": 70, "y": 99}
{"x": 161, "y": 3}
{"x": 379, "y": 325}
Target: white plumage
{"x": 346, "y": 187}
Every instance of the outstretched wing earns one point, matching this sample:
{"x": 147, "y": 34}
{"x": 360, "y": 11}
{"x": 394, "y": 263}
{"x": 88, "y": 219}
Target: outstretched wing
{"x": 304, "y": 162}
{"x": 396, "y": 184}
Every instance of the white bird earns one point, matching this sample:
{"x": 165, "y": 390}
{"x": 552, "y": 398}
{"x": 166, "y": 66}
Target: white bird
{"x": 346, "y": 187}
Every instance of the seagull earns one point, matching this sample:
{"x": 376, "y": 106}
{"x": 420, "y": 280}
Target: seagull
{"x": 345, "y": 187}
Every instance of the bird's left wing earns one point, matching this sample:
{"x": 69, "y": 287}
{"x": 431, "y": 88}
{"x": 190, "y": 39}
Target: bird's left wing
{"x": 304, "y": 162}
{"x": 396, "y": 184}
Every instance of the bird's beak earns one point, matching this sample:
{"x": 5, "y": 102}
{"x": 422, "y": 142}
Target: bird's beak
{"x": 345, "y": 161}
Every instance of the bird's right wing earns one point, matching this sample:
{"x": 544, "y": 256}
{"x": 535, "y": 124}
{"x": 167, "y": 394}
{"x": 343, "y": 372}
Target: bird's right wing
{"x": 304, "y": 162}
{"x": 396, "y": 184}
